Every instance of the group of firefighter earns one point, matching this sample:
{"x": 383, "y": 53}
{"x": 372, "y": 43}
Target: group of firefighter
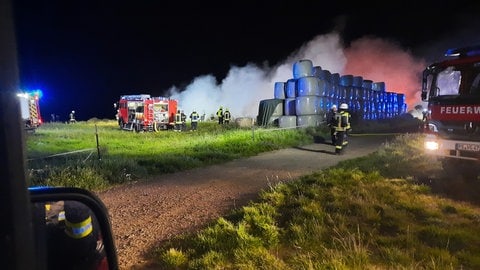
{"x": 224, "y": 117}
{"x": 338, "y": 120}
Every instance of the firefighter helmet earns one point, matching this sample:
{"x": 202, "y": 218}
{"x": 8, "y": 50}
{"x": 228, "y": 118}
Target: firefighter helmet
{"x": 334, "y": 107}
{"x": 344, "y": 106}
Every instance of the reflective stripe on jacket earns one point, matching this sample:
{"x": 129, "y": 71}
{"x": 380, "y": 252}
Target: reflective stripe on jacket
{"x": 343, "y": 121}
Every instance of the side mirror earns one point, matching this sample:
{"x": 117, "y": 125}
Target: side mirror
{"x": 424, "y": 96}
{"x": 72, "y": 229}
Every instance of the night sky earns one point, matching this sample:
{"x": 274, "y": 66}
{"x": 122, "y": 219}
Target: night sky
{"x": 83, "y": 55}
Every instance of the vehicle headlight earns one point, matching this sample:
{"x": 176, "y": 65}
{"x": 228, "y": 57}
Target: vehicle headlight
{"x": 431, "y": 145}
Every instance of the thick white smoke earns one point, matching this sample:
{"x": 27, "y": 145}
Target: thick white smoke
{"x": 244, "y": 87}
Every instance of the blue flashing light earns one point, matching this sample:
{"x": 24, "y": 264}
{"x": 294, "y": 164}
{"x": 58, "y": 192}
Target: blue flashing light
{"x": 466, "y": 51}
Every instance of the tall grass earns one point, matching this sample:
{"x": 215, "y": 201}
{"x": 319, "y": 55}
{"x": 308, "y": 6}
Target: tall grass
{"x": 67, "y": 154}
{"x": 362, "y": 214}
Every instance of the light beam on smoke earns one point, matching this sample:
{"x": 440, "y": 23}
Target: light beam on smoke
{"x": 244, "y": 87}
{"x": 383, "y": 61}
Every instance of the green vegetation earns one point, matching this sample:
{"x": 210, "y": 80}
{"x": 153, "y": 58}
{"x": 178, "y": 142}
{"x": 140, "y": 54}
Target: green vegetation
{"x": 365, "y": 213}
{"x": 67, "y": 155}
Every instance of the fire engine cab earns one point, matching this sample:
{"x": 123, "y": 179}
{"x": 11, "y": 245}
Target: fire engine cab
{"x": 452, "y": 90}
{"x": 145, "y": 113}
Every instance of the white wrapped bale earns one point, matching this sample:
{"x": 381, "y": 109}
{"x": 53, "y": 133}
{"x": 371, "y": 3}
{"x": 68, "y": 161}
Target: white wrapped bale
{"x": 346, "y": 80}
{"x": 324, "y": 87}
{"x": 378, "y": 86}
{"x": 287, "y": 121}
{"x": 307, "y": 105}
{"x": 324, "y": 75}
{"x": 302, "y": 68}
{"x": 289, "y": 106}
{"x": 312, "y": 120}
{"x": 290, "y": 88}
{"x": 317, "y": 70}
{"x": 279, "y": 90}
{"x": 244, "y": 122}
{"x": 308, "y": 86}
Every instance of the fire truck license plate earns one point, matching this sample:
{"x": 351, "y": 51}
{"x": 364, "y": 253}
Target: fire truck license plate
{"x": 468, "y": 147}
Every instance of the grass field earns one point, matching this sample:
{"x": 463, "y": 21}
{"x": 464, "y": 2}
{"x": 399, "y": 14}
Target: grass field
{"x": 365, "y": 213}
{"x": 97, "y": 154}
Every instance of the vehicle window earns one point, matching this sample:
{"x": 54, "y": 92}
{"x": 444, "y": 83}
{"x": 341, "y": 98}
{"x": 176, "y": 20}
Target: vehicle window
{"x": 448, "y": 82}
{"x": 475, "y": 88}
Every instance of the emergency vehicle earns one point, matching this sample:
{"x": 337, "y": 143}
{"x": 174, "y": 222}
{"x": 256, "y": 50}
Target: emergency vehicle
{"x": 30, "y": 109}
{"x": 452, "y": 122}
{"x": 145, "y": 113}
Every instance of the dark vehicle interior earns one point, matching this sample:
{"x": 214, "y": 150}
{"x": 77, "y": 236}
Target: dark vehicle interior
{"x": 24, "y": 242}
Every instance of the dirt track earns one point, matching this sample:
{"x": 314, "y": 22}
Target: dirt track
{"x": 146, "y": 213}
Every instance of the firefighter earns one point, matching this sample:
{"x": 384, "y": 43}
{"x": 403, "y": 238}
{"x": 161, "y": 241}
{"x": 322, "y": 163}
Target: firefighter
{"x": 194, "y": 117}
{"x": 178, "y": 121}
{"x": 342, "y": 118}
{"x": 220, "y": 115}
{"x": 331, "y": 122}
{"x": 74, "y": 240}
{"x": 183, "y": 117}
{"x": 72, "y": 117}
{"x": 226, "y": 116}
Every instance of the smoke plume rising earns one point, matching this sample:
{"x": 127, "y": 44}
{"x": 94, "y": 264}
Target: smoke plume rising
{"x": 244, "y": 87}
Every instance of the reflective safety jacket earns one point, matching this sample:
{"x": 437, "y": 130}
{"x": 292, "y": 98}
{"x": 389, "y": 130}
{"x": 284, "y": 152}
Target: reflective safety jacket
{"x": 194, "y": 116}
{"x": 178, "y": 118}
{"x": 226, "y": 115}
{"x": 342, "y": 121}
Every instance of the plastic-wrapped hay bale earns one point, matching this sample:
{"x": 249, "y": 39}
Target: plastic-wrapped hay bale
{"x": 334, "y": 91}
{"x": 244, "y": 122}
{"x": 302, "y": 68}
{"x": 324, "y": 75}
{"x": 279, "y": 90}
{"x": 367, "y": 84}
{"x": 316, "y": 70}
{"x": 307, "y": 105}
{"x": 312, "y": 120}
{"x": 357, "y": 81}
{"x": 378, "y": 86}
{"x": 289, "y": 106}
{"x": 308, "y": 86}
{"x": 269, "y": 108}
{"x": 290, "y": 88}
{"x": 324, "y": 87}
{"x": 346, "y": 80}
{"x": 287, "y": 121}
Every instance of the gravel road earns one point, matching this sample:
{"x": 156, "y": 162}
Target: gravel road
{"x": 145, "y": 213}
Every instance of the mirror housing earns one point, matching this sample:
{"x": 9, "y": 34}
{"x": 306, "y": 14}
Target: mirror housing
{"x": 44, "y": 195}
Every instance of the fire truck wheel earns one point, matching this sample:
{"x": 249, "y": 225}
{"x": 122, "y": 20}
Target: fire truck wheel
{"x": 155, "y": 127}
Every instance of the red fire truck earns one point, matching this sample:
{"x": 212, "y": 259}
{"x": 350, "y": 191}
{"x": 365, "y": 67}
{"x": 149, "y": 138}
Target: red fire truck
{"x": 30, "y": 109}
{"x": 452, "y": 121}
{"x": 145, "y": 113}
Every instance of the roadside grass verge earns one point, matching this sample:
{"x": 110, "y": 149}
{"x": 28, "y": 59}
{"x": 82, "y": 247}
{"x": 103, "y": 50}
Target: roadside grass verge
{"x": 67, "y": 154}
{"x": 365, "y": 213}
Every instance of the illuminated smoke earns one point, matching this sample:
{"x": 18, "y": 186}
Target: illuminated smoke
{"x": 383, "y": 61}
{"x": 244, "y": 87}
